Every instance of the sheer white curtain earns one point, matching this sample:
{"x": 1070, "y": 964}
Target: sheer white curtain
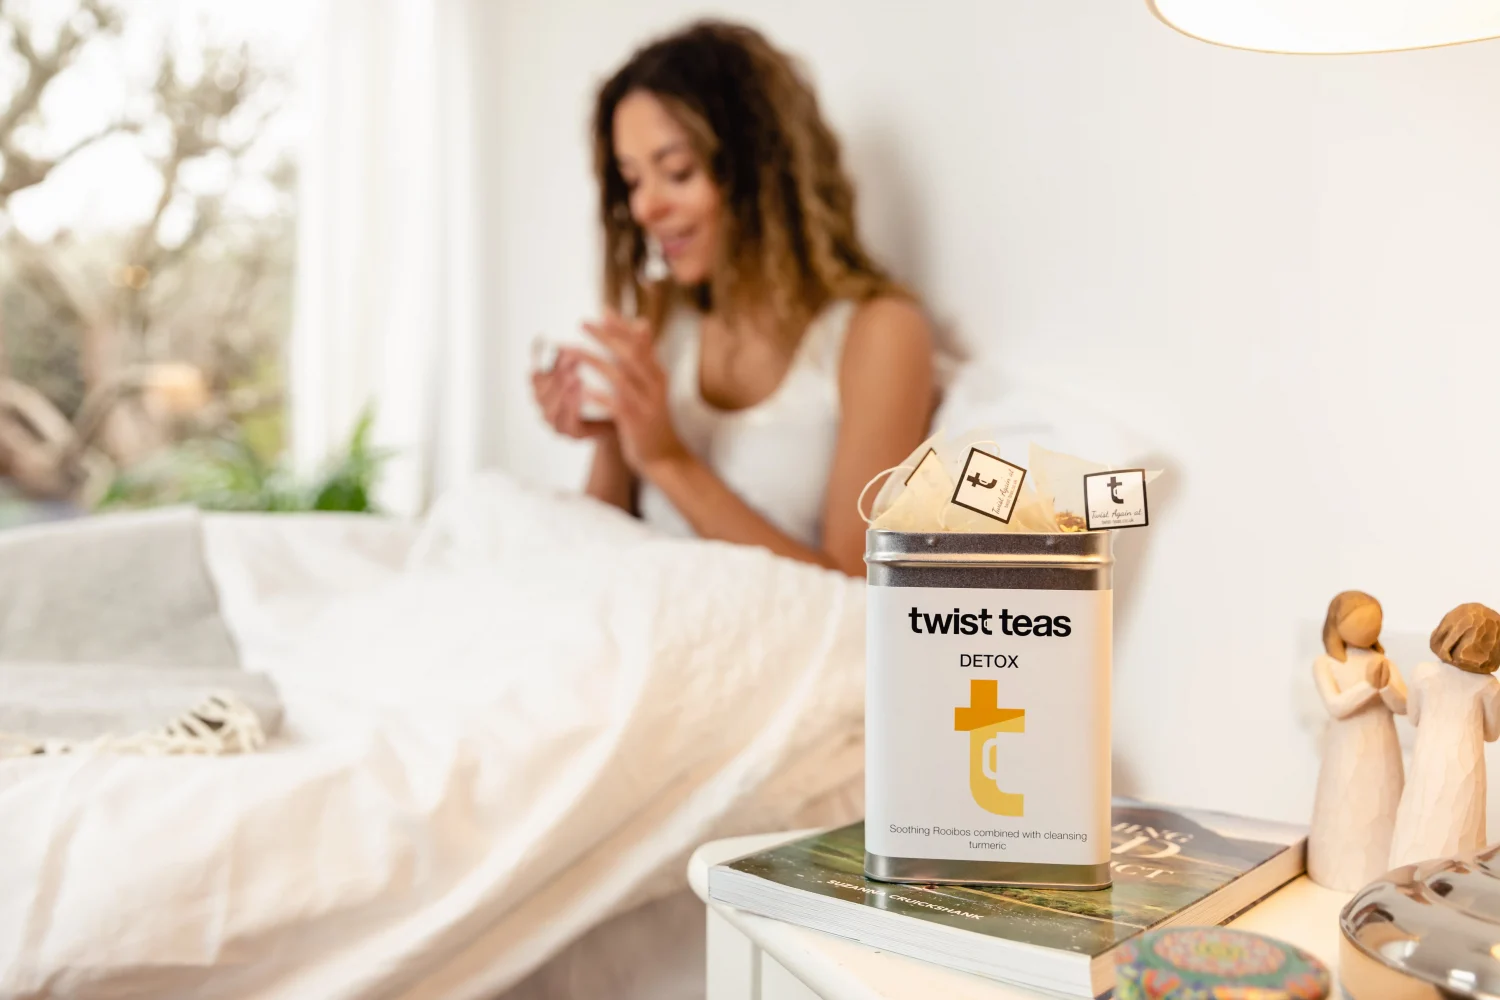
{"x": 387, "y": 291}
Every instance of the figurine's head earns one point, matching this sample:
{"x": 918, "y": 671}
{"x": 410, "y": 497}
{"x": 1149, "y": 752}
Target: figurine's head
{"x": 1354, "y": 619}
{"x": 1468, "y": 638}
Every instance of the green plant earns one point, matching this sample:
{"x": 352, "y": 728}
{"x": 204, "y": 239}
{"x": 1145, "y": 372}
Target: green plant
{"x": 350, "y": 481}
{"x": 227, "y": 474}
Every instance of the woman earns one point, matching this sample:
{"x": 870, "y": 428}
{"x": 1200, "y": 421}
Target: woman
{"x": 776, "y": 368}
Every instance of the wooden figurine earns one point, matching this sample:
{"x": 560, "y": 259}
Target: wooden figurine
{"x": 1359, "y": 786}
{"x": 1455, "y": 706}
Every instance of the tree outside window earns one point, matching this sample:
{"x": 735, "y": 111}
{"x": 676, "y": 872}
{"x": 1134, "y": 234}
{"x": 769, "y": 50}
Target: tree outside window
{"x": 147, "y": 238}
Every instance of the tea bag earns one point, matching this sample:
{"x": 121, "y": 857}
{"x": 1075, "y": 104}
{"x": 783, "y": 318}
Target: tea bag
{"x": 1050, "y": 499}
{"x": 1031, "y": 514}
{"x": 1034, "y": 511}
{"x": 903, "y": 473}
{"x": 919, "y": 506}
{"x": 1059, "y": 478}
{"x": 1024, "y": 515}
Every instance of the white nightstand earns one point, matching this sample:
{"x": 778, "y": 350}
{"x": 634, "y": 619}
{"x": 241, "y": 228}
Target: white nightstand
{"x": 754, "y": 958}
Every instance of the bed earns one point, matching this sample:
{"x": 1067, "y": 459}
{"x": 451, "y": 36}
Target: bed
{"x": 506, "y": 728}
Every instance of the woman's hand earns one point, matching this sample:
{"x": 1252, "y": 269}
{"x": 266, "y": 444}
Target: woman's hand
{"x": 638, "y": 399}
{"x": 560, "y": 392}
{"x": 1378, "y": 673}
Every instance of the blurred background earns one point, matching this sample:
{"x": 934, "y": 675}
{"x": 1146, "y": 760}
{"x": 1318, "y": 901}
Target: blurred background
{"x": 147, "y": 245}
{"x": 275, "y": 255}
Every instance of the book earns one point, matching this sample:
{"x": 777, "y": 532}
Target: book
{"x": 1170, "y": 867}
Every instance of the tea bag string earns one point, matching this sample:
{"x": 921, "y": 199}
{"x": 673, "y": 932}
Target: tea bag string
{"x": 943, "y": 511}
{"x": 859, "y": 505}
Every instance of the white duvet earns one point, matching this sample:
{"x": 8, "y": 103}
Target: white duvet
{"x": 502, "y": 726}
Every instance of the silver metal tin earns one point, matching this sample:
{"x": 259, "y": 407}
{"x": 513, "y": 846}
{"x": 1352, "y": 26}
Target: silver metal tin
{"x": 998, "y": 561}
{"x": 1430, "y": 930}
{"x": 1080, "y": 560}
{"x": 928, "y": 871}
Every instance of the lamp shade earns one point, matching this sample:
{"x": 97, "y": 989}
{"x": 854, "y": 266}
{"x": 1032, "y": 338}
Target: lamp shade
{"x": 1332, "y": 26}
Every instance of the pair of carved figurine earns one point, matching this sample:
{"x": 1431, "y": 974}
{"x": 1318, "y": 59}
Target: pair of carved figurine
{"x": 1370, "y": 815}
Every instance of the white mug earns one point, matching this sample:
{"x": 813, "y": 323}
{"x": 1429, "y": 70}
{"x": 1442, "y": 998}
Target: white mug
{"x": 544, "y": 354}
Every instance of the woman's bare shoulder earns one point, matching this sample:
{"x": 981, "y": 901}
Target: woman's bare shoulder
{"x": 887, "y": 335}
{"x": 891, "y": 318}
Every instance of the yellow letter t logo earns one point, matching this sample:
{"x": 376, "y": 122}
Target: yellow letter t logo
{"x": 983, "y": 720}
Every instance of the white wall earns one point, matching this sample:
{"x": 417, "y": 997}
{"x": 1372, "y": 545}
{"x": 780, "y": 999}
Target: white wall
{"x": 1279, "y": 271}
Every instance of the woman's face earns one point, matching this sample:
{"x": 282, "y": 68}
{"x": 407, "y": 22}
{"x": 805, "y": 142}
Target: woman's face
{"x": 672, "y": 197}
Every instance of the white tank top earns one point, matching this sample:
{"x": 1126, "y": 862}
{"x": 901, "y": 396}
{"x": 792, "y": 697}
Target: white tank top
{"x": 777, "y": 454}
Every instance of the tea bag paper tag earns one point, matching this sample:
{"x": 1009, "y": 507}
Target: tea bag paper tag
{"x": 989, "y": 485}
{"x": 1115, "y": 499}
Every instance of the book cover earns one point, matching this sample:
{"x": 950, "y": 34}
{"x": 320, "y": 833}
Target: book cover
{"x": 1162, "y": 863}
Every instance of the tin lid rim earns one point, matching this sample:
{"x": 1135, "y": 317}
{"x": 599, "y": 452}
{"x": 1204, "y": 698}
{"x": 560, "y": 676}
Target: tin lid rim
{"x": 1079, "y": 548}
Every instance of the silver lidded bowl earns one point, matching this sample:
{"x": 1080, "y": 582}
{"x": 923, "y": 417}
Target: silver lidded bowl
{"x": 1424, "y": 932}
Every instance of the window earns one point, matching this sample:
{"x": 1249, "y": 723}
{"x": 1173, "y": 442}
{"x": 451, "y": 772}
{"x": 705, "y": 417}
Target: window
{"x": 147, "y": 239}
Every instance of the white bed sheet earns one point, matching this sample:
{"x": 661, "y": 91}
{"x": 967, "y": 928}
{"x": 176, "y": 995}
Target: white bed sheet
{"x": 503, "y": 726}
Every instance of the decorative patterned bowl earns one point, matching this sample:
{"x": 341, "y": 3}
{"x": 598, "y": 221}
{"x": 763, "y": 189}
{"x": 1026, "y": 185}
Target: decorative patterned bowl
{"x": 1216, "y": 963}
{"x": 1425, "y": 932}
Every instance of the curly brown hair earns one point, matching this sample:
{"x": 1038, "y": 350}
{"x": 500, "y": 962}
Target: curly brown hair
{"x": 789, "y": 234}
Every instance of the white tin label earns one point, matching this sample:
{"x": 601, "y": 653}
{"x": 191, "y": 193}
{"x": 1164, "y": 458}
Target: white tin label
{"x": 987, "y": 724}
